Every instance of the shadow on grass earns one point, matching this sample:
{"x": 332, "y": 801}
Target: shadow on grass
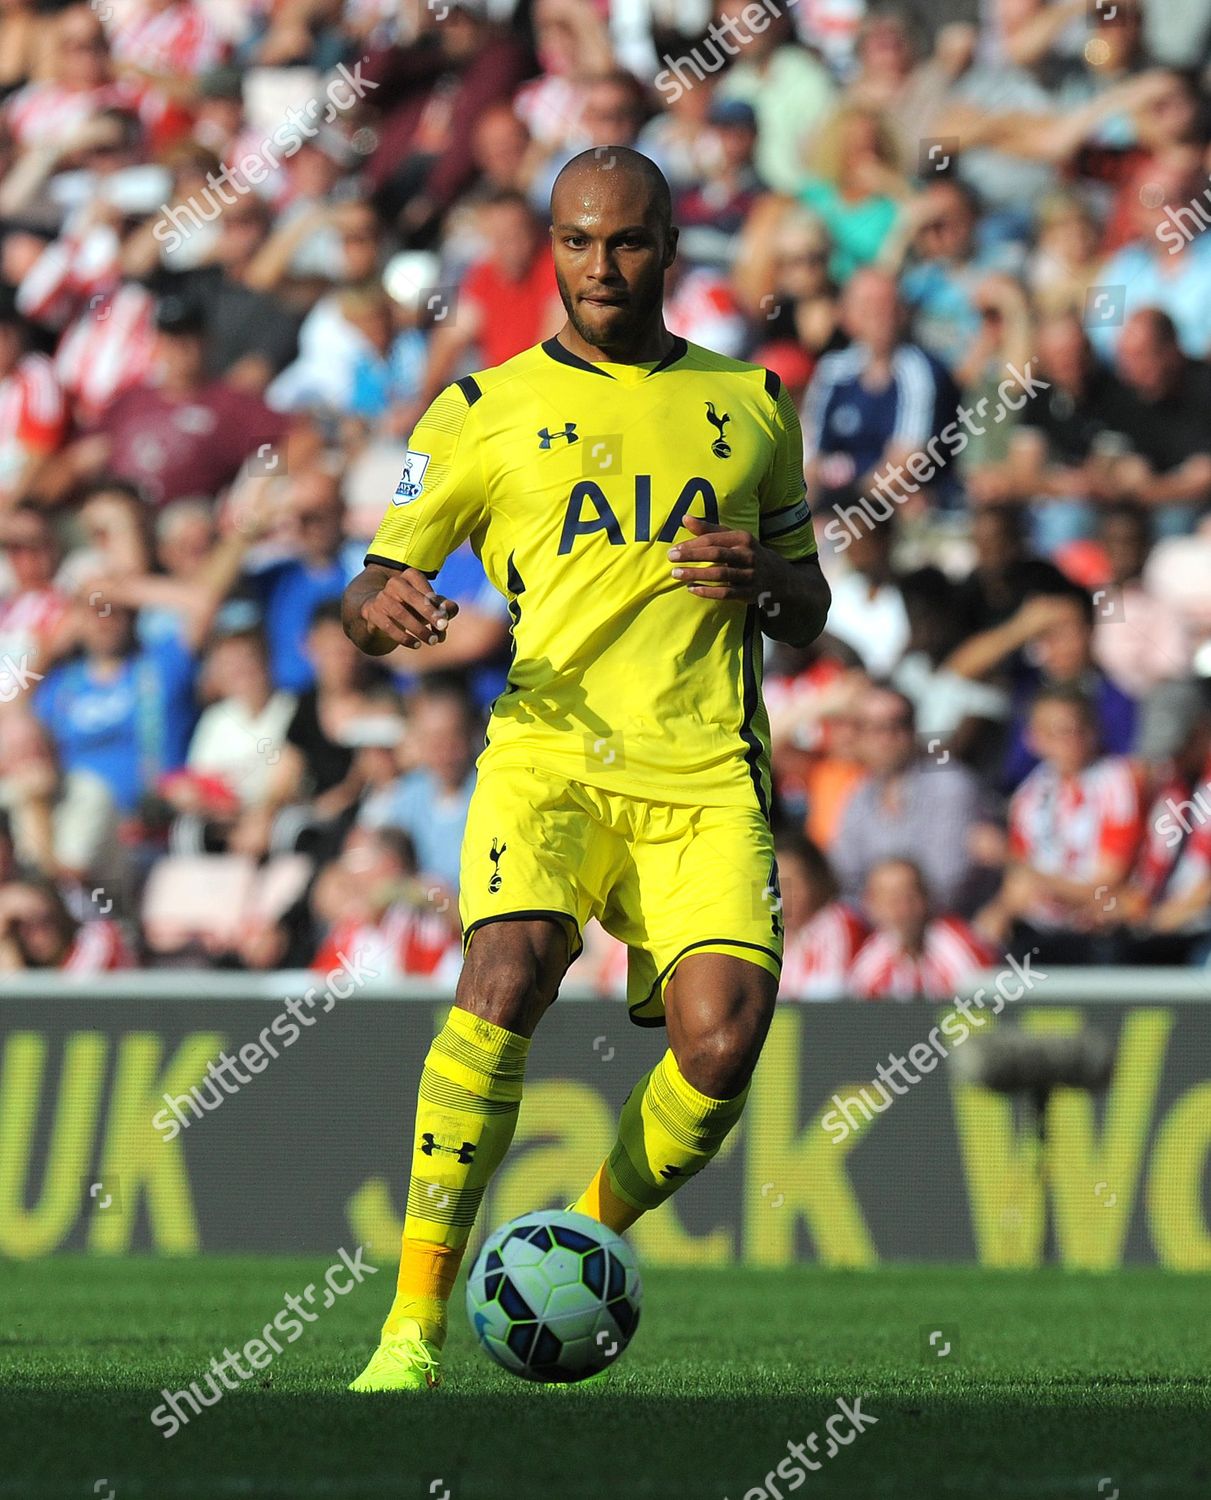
{"x": 606, "y": 1444}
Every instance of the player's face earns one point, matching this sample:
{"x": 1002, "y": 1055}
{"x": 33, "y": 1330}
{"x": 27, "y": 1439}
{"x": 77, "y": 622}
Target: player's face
{"x": 611, "y": 253}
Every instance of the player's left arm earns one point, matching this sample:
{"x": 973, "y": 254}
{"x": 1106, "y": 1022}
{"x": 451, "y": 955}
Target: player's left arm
{"x": 778, "y": 570}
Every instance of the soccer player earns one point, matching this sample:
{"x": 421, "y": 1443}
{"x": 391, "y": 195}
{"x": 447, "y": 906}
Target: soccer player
{"x": 640, "y": 503}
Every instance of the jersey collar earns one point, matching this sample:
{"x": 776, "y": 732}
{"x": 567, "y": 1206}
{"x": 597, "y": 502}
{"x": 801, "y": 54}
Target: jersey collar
{"x": 557, "y": 352}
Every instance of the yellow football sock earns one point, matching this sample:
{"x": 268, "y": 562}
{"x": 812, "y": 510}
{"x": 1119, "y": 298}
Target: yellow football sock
{"x": 667, "y": 1133}
{"x": 466, "y": 1112}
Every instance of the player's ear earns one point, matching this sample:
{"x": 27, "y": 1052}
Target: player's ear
{"x": 670, "y": 246}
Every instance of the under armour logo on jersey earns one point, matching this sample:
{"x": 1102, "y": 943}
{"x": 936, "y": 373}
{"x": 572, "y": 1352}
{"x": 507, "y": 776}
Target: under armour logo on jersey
{"x": 465, "y": 1150}
{"x": 719, "y": 448}
{"x": 494, "y": 855}
{"x": 669, "y": 1172}
{"x": 569, "y": 432}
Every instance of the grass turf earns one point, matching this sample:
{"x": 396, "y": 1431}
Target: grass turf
{"x": 1056, "y": 1385}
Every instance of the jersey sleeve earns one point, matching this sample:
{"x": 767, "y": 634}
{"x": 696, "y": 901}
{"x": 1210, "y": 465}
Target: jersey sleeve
{"x": 440, "y": 498}
{"x": 786, "y": 518}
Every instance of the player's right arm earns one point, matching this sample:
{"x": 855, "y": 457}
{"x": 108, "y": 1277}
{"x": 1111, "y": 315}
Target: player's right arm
{"x": 440, "y": 500}
{"x": 384, "y": 608}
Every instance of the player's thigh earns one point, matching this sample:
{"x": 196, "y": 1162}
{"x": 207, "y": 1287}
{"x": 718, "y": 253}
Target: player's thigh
{"x": 533, "y": 859}
{"x": 702, "y": 881}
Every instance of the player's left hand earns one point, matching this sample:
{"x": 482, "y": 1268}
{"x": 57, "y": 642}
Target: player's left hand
{"x": 725, "y": 564}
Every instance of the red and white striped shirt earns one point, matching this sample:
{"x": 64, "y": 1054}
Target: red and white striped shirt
{"x": 179, "y": 41}
{"x": 404, "y": 941}
{"x": 817, "y": 958}
{"x": 1176, "y": 855}
{"x": 107, "y": 350}
{"x": 950, "y": 954}
{"x": 33, "y": 416}
{"x": 109, "y": 332}
{"x": 97, "y": 948}
{"x": 40, "y": 113}
{"x": 29, "y": 622}
{"x": 1071, "y": 826}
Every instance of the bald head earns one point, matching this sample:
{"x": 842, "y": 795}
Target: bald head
{"x": 619, "y": 174}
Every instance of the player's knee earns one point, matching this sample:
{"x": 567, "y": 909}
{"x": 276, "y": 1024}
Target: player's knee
{"x": 719, "y": 1061}
{"x": 511, "y": 975}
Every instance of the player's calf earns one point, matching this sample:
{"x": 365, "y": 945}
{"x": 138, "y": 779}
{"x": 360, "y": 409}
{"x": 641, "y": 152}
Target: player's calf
{"x": 466, "y": 1113}
{"x": 676, "y": 1120}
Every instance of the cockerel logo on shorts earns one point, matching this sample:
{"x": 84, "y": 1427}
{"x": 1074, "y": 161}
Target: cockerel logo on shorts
{"x": 494, "y": 855}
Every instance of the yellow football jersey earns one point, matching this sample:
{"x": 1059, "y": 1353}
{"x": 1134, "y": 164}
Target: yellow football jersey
{"x": 572, "y": 481}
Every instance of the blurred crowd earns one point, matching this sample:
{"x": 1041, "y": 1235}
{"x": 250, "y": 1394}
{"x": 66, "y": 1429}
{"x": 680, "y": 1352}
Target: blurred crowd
{"x": 243, "y": 245}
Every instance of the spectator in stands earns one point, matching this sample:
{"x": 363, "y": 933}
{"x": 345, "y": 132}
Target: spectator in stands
{"x": 377, "y": 912}
{"x": 507, "y": 302}
{"x": 311, "y": 797}
{"x": 891, "y": 77}
{"x": 1063, "y": 442}
{"x": 37, "y": 931}
{"x": 821, "y": 934}
{"x": 79, "y": 85}
{"x": 429, "y": 801}
{"x": 1168, "y": 264}
{"x": 789, "y": 90}
{"x": 320, "y": 562}
{"x": 1162, "y": 411}
{"x": 426, "y": 100}
{"x": 911, "y": 954}
{"x": 122, "y": 710}
{"x": 1074, "y": 830}
{"x": 867, "y": 611}
{"x": 873, "y": 406}
{"x": 1166, "y": 902}
{"x": 781, "y": 278}
{"x": 911, "y": 807}
{"x": 1004, "y": 571}
{"x": 855, "y": 185}
{"x": 573, "y": 47}
{"x": 935, "y": 237}
{"x": 161, "y": 51}
{"x": 615, "y": 107}
{"x": 33, "y": 416}
{"x": 236, "y": 744}
{"x": 250, "y": 334}
{"x": 1140, "y": 638}
{"x": 33, "y": 609}
{"x": 954, "y": 715}
{"x": 1066, "y": 259}
{"x": 62, "y": 824}
{"x": 321, "y": 379}
{"x": 177, "y": 433}
{"x": 1057, "y": 630}
{"x": 712, "y": 212}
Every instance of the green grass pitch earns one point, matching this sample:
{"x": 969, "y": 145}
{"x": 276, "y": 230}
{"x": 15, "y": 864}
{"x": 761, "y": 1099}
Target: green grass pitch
{"x": 1056, "y": 1385}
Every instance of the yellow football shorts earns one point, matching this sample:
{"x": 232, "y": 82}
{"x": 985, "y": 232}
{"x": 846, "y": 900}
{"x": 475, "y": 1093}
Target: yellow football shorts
{"x": 665, "y": 880}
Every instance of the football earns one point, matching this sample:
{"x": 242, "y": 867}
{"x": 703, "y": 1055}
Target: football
{"x": 554, "y": 1296}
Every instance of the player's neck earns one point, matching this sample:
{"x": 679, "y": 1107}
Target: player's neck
{"x": 649, "y": 347}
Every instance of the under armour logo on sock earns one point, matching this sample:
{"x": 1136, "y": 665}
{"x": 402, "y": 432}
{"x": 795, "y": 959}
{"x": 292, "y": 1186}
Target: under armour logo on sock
{"x": 465, "y": 1151}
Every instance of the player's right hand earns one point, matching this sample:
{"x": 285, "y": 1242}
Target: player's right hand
{"x": 408, "y": 611}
